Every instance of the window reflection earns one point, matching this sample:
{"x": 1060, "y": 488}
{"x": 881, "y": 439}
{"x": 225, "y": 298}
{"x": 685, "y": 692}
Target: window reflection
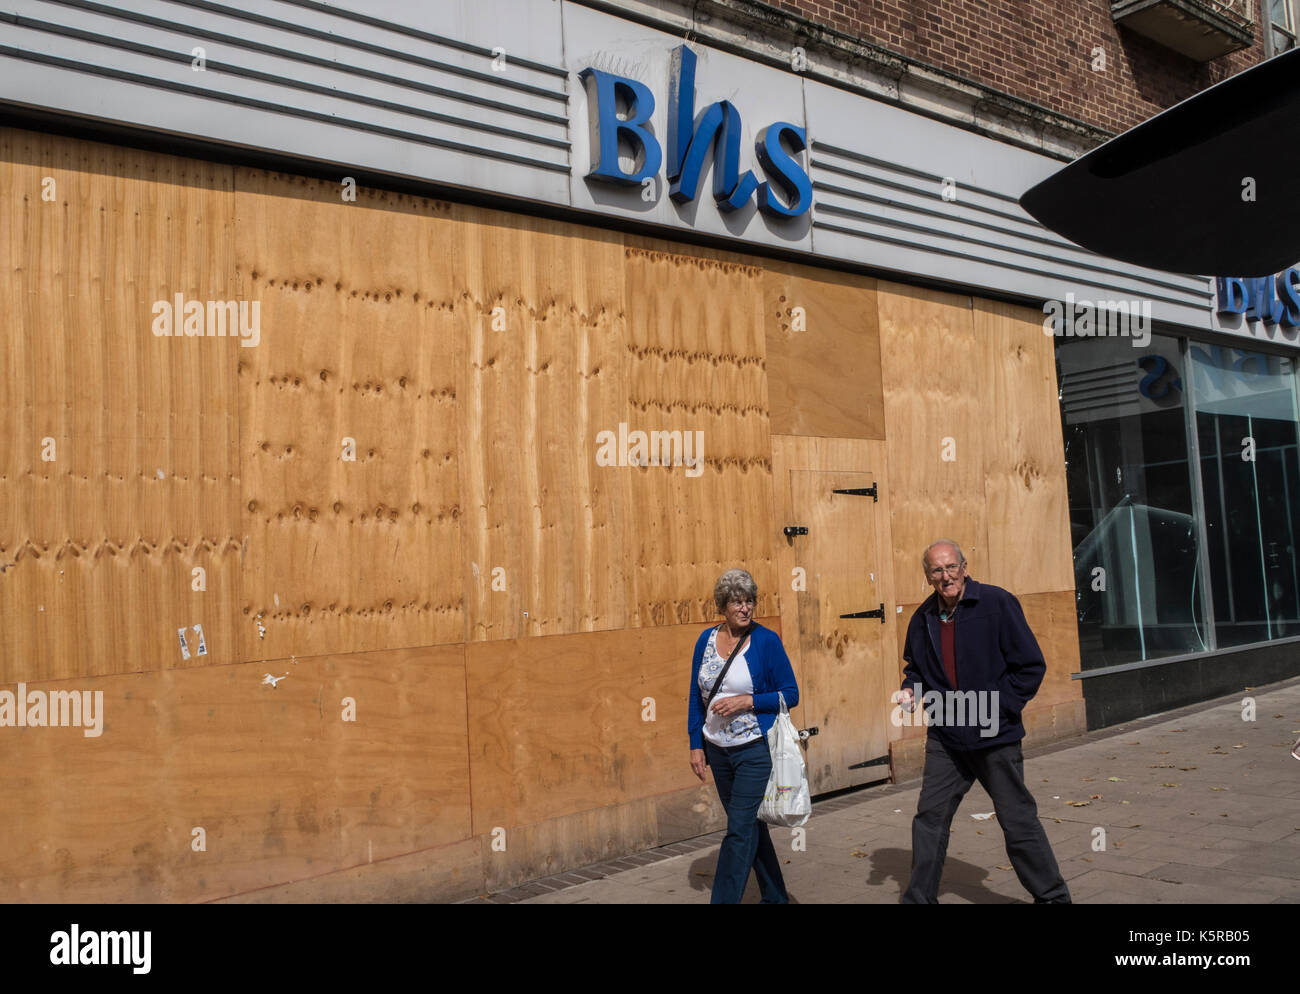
{"x": 1246, "y": 422}
{"x": 1132, "y": 522}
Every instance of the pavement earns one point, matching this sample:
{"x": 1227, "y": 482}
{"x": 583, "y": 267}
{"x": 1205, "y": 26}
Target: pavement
{"x": 1193, "y": 806}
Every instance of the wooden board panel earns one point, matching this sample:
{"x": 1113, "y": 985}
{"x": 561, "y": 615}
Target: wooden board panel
{"x": 931, "y": 364}
{"x": 556, "y": 727}
{"x": 439, "y": 875}
{"x": 98, "y": 545}
{"x": 1024, "y": 459}
{"x": 823, "y": 353}
{"x": 695, "y": 363}
{"x": 283, "y": 786}
{"x": 542, "y": 313}
{"x": 844, "y": 663}
{"x": 791, "y": 453}
{"x": 1053, "y": 619}
{"x": 348, "y": 555}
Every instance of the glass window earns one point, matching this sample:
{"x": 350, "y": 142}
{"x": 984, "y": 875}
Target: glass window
{"x": 1281, "y": 27}
{"x": 1246, "y": 424}
{"x": 1137, "y": 581}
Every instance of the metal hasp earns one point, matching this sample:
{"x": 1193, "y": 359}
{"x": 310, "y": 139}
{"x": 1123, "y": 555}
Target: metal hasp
{"x": 806, "y": 733}
{"x": 878, "y": 613}
{"x": 792, "y": 530}
{"x": 878, "y": 761}
{"x": 860, "y": 492}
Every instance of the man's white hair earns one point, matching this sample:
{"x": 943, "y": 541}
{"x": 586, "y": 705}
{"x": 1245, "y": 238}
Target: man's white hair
{"x": 925, "y": 558}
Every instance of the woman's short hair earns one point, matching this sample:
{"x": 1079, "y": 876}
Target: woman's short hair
{"x": 734, "y": 585}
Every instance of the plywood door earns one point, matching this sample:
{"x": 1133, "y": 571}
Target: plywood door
{"x": 845, "y": 687}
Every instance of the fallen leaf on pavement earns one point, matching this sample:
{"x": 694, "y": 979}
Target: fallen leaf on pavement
{"x": 1078, "y": 804}
{"x": 1004, "y": 867}
{"x": 859, "y": 854}
{"x": 1186, "y": 768}
{"x": 1095, "y": 797}
{"x": 1218, "y": 788}
{"x": 1169, "y": 785}
{"x": 1115, "y": 779}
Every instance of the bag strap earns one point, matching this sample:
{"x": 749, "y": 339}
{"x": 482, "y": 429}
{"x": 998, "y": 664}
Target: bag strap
{"x": 721, "y": 676}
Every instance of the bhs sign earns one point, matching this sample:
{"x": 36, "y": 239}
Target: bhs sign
{"x": 1271, "y": 299}
{"x": 691, "y": 142}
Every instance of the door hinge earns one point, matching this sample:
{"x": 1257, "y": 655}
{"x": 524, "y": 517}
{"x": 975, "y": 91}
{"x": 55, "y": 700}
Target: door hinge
{"x": 878, "y": 761}
{"x": 878, "y": 613}
{"x": 792, "y": 530}
{"x": 860, "y": 492}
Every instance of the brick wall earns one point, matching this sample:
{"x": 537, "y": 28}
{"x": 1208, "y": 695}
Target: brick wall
{"x": 1037, "y": 50}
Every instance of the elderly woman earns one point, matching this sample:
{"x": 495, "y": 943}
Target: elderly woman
{"x": 732, "y": 707}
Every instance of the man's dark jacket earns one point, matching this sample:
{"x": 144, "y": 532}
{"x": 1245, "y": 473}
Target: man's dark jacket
{"x": 995, "y": 650}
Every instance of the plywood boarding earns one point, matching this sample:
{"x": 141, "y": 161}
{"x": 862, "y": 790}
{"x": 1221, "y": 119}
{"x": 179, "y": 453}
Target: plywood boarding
{"x": 556, "y": 724}
{"x": 932, "y": 364}
{"x": 98, "y": 545}
{"x": 695, "y": 363}
{"x": 283, "y": 786}
{"x": 845, "y": 667}
{"x": 1053, "y": 619}
{"x": 541, "y": 307}
{"x": 347, "y": 556}
{"x": 792, "y": 454}
{"x": 1024, "y": 455}
{"x": 823, "y": 353}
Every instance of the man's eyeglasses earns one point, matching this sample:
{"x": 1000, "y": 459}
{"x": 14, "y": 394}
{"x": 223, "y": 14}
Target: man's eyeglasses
{"x": 938, "y": 572}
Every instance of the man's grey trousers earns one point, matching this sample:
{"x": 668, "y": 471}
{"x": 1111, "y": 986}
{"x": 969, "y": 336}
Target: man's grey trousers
{"x": 949, "y": 774}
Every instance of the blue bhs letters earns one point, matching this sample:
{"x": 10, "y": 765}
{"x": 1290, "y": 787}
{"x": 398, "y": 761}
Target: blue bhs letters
{"x": 1272, "y": 299}
{"x": 690, "y": 142}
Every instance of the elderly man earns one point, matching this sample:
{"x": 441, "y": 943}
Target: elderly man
{"x": 973, "y": 663}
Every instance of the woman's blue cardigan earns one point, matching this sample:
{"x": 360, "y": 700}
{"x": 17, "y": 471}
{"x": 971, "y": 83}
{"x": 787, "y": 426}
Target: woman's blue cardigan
{"x": 769, "y": 668}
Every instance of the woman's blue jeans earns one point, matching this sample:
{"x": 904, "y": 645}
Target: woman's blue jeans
{"x": 741, "y": 775}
